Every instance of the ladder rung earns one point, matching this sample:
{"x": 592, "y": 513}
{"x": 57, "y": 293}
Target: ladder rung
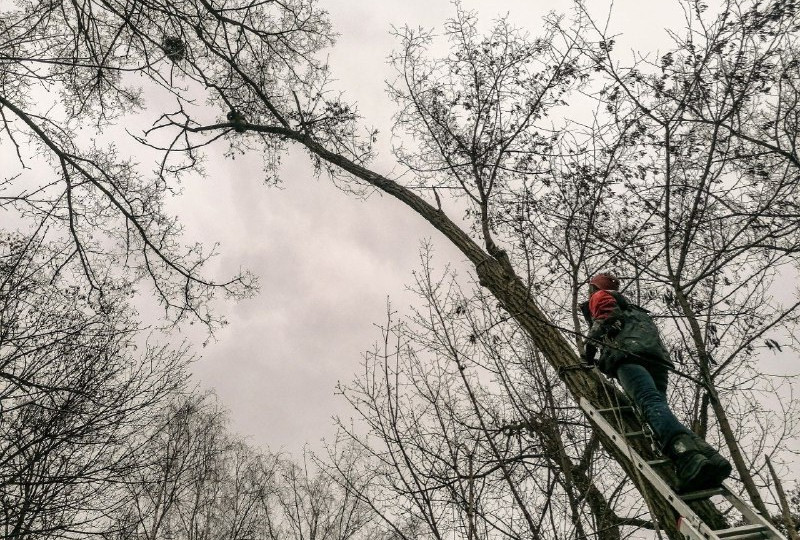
{"x": 634, "y": 434}
{"x": 623, "y": 408}
{"x": 656, "y": 462}
{"x": 743, "y": 532}
{"x": 704, "y": 494}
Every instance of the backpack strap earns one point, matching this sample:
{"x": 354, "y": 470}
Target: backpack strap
{"x": 587, "y": 316}
{"x": 622, "y": 302}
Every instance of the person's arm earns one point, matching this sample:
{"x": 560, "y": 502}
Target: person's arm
{"x": 601, "y": 309}
{"x": 590, "y": 352}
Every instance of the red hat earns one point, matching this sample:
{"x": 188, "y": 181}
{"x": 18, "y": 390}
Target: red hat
{"x": 605, "y": 282}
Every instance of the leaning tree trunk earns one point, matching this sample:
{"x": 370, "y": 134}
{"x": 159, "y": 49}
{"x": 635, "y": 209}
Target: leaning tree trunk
{"x": 496, "y": 274}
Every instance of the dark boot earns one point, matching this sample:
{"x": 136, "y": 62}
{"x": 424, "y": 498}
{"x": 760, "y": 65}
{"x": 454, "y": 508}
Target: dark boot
{"x": 691, "y": 466}
{"x": 720, "y": 467}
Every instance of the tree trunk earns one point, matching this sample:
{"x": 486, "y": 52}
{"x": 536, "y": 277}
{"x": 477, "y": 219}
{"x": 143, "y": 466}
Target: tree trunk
{"x": 785, "y": 511}
{"x": 719, "y": 410}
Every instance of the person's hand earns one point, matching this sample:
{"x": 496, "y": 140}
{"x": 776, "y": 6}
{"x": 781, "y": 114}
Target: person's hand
{"x": 589, "y": 355}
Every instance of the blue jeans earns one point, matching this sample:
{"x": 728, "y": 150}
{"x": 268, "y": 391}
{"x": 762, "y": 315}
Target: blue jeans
{"x": 648, "y": 388}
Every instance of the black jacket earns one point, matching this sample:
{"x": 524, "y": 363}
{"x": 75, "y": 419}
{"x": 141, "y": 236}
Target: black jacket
{"x": 628, "y": 336}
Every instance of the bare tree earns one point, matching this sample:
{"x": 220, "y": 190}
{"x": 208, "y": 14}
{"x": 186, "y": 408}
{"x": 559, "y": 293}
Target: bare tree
{"x": 176, "y": 488}
{"x": 486, "y": 132}
{"x": 72, "y": 388}
{"x": 196, "y": 481}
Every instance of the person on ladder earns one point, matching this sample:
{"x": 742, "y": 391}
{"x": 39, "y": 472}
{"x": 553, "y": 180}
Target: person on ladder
{"x": 631, "y": 351}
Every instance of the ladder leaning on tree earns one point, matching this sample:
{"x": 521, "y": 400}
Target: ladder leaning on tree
{"x": 689, "y": 523}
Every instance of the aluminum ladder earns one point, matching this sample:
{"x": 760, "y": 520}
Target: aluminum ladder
{"x": 689, "y": 523}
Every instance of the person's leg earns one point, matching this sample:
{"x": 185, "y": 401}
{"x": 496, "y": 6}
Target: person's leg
{"x": 648, "y": 390}
{"x": 720, "y": 467}
{"x": 659, "y": 375}
{"x": 691, "y": 467}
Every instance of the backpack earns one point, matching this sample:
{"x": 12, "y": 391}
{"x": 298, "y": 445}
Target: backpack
{"x": 633, "y": 338}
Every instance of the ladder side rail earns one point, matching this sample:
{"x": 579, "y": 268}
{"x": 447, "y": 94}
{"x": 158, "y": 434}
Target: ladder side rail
{"x": 691, "y": 533}
{"x": 744, "y": 532}
{"x": 749, "y": 513}
{"x": 689, "y": 517}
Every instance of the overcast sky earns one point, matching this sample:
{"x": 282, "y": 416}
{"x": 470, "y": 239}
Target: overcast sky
{"x": 327, "y": 261}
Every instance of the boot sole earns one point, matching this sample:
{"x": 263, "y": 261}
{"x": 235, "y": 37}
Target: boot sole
{"x": 699, "y": 478}
{"x": 709, "y": 475}
{"x": 720, "y": 470}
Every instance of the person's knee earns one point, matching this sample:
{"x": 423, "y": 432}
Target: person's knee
{"x": 650, "y": 397}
